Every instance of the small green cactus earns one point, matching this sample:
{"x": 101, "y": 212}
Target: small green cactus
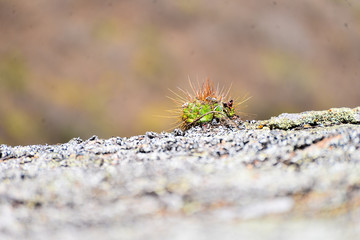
{"x": 205, "y": 106}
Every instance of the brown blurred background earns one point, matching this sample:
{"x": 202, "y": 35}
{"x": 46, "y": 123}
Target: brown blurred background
{"x": 79, "y": 68}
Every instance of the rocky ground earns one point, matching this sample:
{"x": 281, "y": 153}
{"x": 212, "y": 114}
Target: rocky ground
{"x": 295, "y": 176}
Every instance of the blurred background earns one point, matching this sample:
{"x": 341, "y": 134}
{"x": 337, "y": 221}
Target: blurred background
{"x": 104, "y": 67}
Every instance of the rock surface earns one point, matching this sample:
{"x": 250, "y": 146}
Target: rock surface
{"x": 256, "y": 182}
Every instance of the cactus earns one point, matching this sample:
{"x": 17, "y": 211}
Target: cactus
{"x": 204, "y": 106}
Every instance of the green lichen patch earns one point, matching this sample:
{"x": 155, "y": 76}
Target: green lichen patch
{"x": 329, "y": 117}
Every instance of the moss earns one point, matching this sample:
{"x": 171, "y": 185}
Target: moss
{"x": 333, "y": 116}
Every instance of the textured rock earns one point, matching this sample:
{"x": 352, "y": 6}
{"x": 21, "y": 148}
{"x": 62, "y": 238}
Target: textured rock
{"x": 205, "y": 183}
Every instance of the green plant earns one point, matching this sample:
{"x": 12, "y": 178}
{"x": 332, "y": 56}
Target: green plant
{"x": 204, "y": 106}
